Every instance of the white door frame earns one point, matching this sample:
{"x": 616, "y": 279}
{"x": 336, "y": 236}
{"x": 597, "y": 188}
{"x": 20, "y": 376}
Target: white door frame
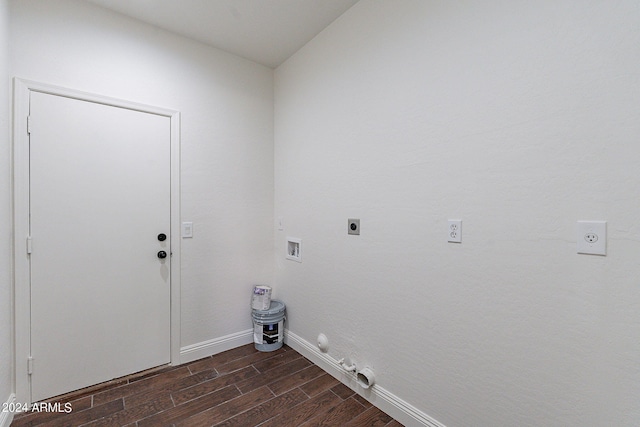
{"x": 22, "y": 276}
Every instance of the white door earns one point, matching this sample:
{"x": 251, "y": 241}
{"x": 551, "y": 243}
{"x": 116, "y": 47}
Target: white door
{"x": 99, "y": 199}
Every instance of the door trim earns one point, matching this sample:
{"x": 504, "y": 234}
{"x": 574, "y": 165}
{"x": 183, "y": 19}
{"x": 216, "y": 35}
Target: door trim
{"x": 22, "y": 277}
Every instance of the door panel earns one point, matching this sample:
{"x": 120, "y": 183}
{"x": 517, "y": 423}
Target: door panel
{"x": 100, "y": 195}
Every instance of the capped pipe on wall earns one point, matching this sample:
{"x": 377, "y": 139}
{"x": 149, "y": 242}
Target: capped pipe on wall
{"x": 365, "y": 378}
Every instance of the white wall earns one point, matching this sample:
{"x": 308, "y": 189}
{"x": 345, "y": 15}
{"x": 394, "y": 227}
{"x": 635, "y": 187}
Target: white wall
{"x": 6, "y": 353}
{"x": 226, "y": 106}
{"x": 518, "y": 117}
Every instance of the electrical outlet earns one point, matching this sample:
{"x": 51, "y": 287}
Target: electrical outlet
{"x": 455, "y": 231}
{"x": 592, "y": 237}
{"x": 353, "y": 226}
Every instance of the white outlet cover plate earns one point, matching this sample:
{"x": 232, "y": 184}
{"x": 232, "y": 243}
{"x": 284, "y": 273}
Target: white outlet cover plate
{"x": 454, "y": 231}
{"x": 592, "y": 237}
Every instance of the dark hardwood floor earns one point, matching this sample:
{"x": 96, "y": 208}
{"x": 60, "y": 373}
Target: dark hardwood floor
{"x": 240, "y": 387}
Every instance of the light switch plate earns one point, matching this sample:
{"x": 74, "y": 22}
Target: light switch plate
{"x": 592, "y": 237}
{"x": 187, "y": 230}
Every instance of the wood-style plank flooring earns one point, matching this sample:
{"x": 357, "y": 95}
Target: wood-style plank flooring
{"x": 240, "y": 387}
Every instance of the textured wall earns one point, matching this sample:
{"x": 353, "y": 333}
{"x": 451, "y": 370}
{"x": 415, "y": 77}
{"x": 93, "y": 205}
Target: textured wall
{"x": 226, "y": 106}
{"x": 6, "y": 354}
{"x": 518, "y": 117}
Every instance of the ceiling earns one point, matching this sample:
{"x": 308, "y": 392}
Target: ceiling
{"x": 264, "y": 31}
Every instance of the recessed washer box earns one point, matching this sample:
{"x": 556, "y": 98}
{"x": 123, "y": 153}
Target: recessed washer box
{"x": 294, "y": 249}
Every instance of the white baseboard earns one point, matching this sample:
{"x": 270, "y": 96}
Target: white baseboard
{"x": 214, "y": 346}
{"x": 400, "y": 410}
{"x": 7, "y": 417}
